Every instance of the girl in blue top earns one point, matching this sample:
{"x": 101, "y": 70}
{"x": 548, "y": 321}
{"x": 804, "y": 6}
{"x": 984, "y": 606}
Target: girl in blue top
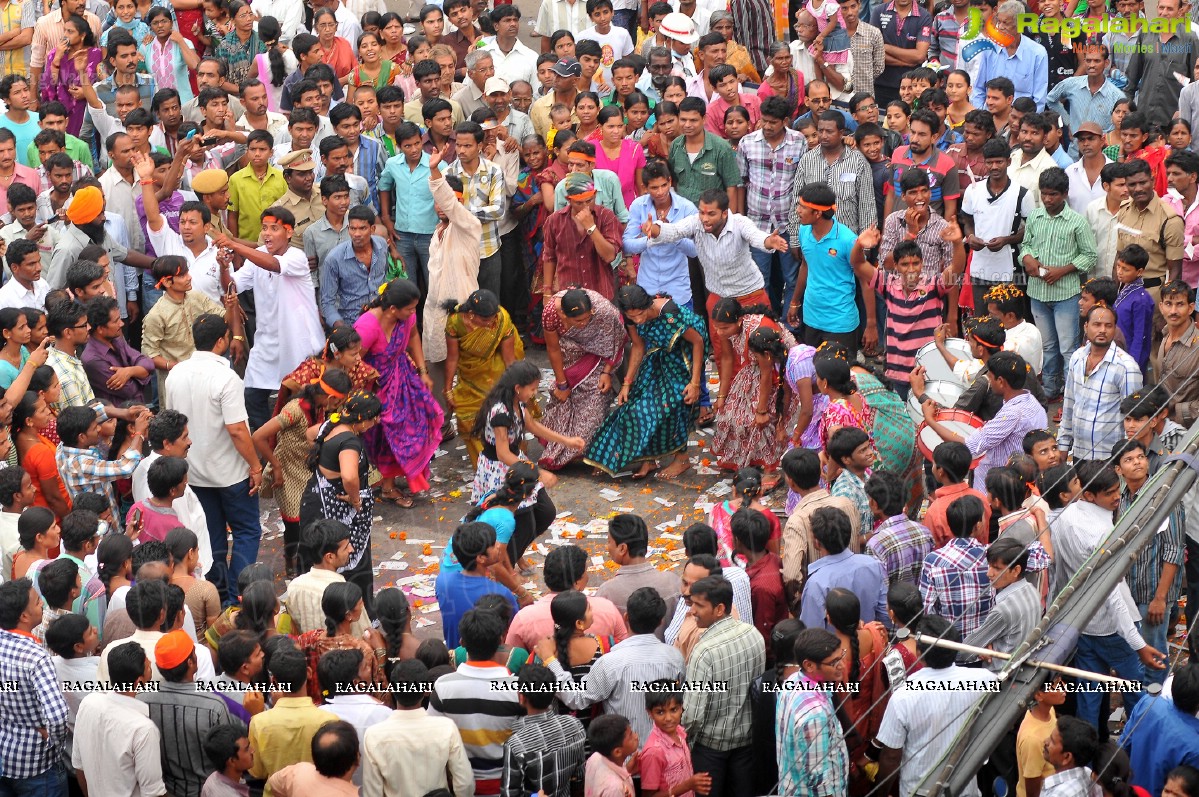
{"x": 498, "y": 510}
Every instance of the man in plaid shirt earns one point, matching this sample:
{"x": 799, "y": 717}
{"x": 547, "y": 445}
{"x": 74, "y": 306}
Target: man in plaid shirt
{"x": 900, "y": 544}
{"x": 813, "y": 759}
{"x": 81, "y": 464}
{"x": 33, "y": 720}
{"x": 954, "y": 583}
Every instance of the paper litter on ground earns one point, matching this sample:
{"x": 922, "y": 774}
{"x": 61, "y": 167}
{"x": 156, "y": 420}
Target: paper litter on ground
{"x": 660, "y": 500}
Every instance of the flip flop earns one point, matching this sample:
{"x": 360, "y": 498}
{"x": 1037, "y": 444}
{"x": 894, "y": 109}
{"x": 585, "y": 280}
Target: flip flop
{"x": 397, "y": 498}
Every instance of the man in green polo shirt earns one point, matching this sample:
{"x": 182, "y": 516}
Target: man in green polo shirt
{"x": 701, "y": 160}
{"x": 54, "y": 117}
{"x": 254, "y": 188}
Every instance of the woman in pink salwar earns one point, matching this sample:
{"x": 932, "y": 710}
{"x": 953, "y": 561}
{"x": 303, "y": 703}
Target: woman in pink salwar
{"x": 409, "y": 430}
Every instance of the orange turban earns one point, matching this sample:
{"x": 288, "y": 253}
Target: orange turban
{"x": 86, "y": 205}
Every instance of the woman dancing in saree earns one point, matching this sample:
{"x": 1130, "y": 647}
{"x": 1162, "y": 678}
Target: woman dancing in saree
{"x": 481, "y": 341}
{"x": 584, "y": 338}
{"x": 343, "y": 351}
{"x": 667, "y": 363}
{"x": 339, "y": 489}
{"x": 409, "y": 430}
{"x": 754, "y": 406}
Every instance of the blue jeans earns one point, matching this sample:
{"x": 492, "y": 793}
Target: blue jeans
{"x": 258, "y": 406}
{"x": 150, "y": 292}
{"x": 1156, "y": 636}
{"x": 414, "y": 251}
{"x": 51, "y": 783}
{"x": 626, "y": 18}
{"x": 780, "y": 295}
{"x": 234, "y": 508}
{"x": 1058, "y": 322}
{"x": 1100, "y": 654}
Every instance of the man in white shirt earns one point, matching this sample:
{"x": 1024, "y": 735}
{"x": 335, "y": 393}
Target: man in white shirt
{"x": 289, "y": 13}
{"x": 433, "y": 745}
{"x": 225, "y": 472}
{"x": 1101, "y": 215}
{"x": 26, "y": 288}
{"x": 1083, "y": 188}
{"x": 1032, "y": 158}
{"x": 339, "y": 673}
{"x": 289, "y": 326}
{"x": 993, "y": 214}
{"x": 917, "y": 721}
{"x": 513, "y": 60}
{"x": 117, "y": 748}
{"x": 555, "y": 15}
{"x": 146, "y": 603}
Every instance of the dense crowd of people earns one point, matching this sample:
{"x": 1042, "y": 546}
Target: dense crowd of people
{"x": 927, "y": 272}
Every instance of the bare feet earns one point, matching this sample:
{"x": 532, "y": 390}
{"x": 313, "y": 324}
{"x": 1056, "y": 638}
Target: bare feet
{"x": 646, "y": 469}
{"x": 675, "y": 469}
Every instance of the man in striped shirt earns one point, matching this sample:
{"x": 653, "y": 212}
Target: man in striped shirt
{"x": 481, "y": 698}
{"x": 1099, "y": 377}
{"x": 814, "y": 761}
{"x": 1017, "y": 602}
{"x": 545, "y": 751}
{"x": 915, "y": 303}
{"x": 182, "y": 714}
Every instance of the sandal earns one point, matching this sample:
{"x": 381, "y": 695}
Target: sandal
{"x": 707, "y": 416}
{"x": 398, "y": 498}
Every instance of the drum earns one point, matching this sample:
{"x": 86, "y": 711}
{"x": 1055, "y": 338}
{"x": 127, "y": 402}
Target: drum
{"x": 944, "y": 392}
{"x": 958, "y": 421}
{"x": 934, "y": 364}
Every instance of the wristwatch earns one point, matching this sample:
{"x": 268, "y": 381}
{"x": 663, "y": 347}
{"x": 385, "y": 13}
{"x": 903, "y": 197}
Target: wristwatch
{"x": 590, "y": 230}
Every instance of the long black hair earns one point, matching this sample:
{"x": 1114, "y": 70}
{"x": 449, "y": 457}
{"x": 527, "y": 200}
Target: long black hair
{"x": 845, "y": 614}
{"x": 730, "y": 311}
{"x": 520, "y": 373}
{"x": 269, "y": 31}
{"x": 394, "y": 614}
{"x": 335, "y": 378}
{"x": 258, "y": 604}
{"x": 567, "y": 608}
{"x": 518, "y": 485}
{"x": 111, "y": 555}
{"x": 766, "y": 340}
{"x": 832, "y": 365}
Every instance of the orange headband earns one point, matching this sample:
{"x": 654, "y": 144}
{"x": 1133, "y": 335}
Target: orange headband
{"x": 582, "y": 197}
{"x": 581, "y": 156}
{"x": 984, "y": 343}
{"x": 332, "y": 393}
{"x": 812, "y": 206}
{"x": 178, "y": 273}
{"x": 275, "y": 220}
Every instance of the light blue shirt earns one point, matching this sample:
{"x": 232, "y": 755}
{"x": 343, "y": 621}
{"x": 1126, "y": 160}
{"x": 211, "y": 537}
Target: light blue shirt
{"x": 1027, "y": 69}
{"x": 828, "y": 300}
{"x": 345, "y": 285}
{"x": 663, "y": 265}
{"x": 414, "y": 211}
{"x": 1061, "y": 158}
{"x": 861, "y": 574}
{"x": 500, "y": 519}
{"x": 1072, "y": 98}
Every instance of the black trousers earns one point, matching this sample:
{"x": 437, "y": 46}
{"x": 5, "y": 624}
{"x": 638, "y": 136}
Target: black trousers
{"x": 531, "y": 523}
{"x": 732, "y": 771}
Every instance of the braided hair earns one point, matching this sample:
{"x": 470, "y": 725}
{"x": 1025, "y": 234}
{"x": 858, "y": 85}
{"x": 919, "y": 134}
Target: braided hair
{"x": 269, "y": 31}
{"x": 394, "y": 615}
{"x": 844, "y": 614}
{"x": 567, "y": 608}
{"x": 518, "y": 485}
{"x": 765, "y": 340}
{"x": 340, "y": 339}
{"x": 832, "y": 365}
{"x": 748, "y": 484}
{"x": 111, "y": 555}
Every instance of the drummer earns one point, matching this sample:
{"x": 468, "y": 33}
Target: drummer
{"x": 986, "y": 337}
{"x": 1002, "y": 435}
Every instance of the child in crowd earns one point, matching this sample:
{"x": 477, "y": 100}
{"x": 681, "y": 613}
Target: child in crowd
{"x": 1041, "y": 446}
{"x": 227, "y": 748}
{"x": 869, "y": 138}
{"x": 1100, "y": 290}
{"x": 1035, "y": 729}
{"x": 614, "y": 741}
{"x": 167, "y": 479}
{"x": 898, "y": 114}
{"x": 807, "y": 127}
{"x": 1134, "y": 306}
{"x": 1007, "y": 303}
{"x": 666, "y": 761}
{"x": 560, "y": 116}
{"x": 850, "y": 455}
{"x": 951, "y": 466}
{"x": 748, "y": 490}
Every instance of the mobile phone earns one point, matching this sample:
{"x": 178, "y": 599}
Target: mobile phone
{"x": 191, "y": 134}
{"x": 210, "y": 141}
{"x": 135, "y": 517}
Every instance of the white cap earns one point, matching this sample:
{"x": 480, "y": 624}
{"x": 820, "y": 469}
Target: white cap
{"x": 678, "y": 26}
{"x": 495, "y": 85}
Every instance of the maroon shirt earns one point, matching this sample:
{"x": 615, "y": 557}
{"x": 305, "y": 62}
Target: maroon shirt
{"x": 577, "y": 263}
{"x": 766, "y": 595}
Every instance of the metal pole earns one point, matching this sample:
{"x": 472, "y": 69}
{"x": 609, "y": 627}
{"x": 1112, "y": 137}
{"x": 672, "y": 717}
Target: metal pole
{"x": 924, "y": 639}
